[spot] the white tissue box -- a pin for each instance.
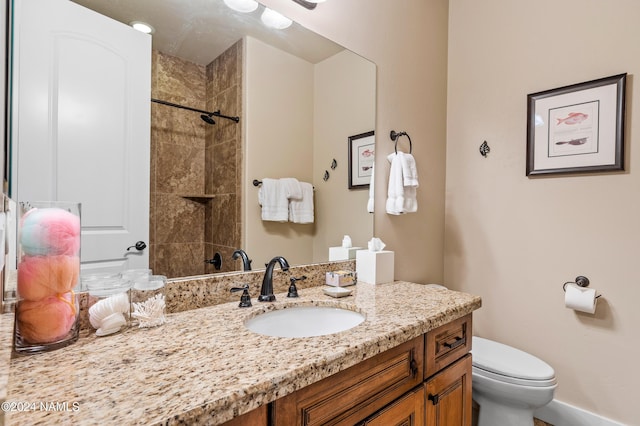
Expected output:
(375, 267)
(341, 253)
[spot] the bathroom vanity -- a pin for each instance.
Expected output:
(392, 387)
(408, 360)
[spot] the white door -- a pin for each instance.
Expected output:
(81, 124)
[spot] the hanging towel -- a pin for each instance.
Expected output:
(291, 188)
(301, 211)
(410, 182)
(273, 198)
(370, 203)
(395, 191)
(400, 198)
(409, 170)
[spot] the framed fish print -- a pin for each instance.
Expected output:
(361, 158)
(577, 128)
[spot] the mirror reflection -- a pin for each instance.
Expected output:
(298, 96)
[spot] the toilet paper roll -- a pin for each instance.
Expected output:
(580, 298)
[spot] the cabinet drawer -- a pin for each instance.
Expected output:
(446, 344)
(351, 395)
(406, 411)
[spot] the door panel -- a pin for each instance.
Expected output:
(81, 128)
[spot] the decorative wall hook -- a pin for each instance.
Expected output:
(326, 175)
(334, 164)
(484, 149)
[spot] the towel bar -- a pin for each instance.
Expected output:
(257, 182)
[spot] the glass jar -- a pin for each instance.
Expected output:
(148, 301)
(109, 304)
(46, 315)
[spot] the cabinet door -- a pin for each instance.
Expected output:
(352, 395)
(406, 411)
(448, 395)
(257, 417)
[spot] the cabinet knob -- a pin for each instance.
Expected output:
(434, 398)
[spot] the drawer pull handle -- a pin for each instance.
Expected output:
(459, 342)
(414, 367)
(434, 398)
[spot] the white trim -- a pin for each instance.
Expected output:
(562, 414)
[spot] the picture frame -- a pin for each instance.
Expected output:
(577, 128)
(361, 159)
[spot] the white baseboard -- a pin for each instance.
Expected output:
(561, 414)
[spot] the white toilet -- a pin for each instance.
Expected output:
(509, 384)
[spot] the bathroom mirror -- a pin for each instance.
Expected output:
(197, 32)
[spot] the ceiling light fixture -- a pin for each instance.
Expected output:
(309, 4)
(273, 19)
(142, 27)
(244, 6)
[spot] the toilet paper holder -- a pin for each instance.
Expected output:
(580, 281)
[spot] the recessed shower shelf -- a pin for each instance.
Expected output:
(201, 198)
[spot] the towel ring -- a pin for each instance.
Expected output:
(395, 136)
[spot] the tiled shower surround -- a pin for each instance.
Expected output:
(195, 167)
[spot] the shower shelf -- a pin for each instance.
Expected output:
(201, 198)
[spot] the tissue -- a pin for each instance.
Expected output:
(346, 242)
(580, 298)
(376, 244)
(375, 266)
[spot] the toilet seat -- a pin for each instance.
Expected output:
(507, 364)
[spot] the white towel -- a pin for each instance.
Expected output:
(291, 188)
(274, 200)
(370, 203)
(409, 170)
(400, 198)
(395, 191)
(301, 211)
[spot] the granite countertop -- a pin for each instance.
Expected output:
(205, 367)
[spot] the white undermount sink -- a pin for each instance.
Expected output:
(304, 321)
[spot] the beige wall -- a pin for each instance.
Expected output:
(272, 75)
(515, 240)
(510, 239)
(407, 40)
(344, 105)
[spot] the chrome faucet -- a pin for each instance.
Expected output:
(246, 262)
(266, 291)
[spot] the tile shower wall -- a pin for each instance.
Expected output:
(194, 205)
(223, 158)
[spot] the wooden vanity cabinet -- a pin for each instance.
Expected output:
(425, 381)
(350, 396)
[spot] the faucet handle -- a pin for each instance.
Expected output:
(293, 290)
(245, 298)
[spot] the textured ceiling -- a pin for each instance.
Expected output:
(200, 30)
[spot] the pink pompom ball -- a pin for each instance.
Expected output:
(43, 276)
(46, 320)
(50, 231)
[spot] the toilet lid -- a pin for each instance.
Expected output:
(504, 360)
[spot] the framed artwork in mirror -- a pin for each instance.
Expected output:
(361, 158)
(577, 128)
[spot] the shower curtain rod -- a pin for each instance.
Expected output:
(214, 113)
